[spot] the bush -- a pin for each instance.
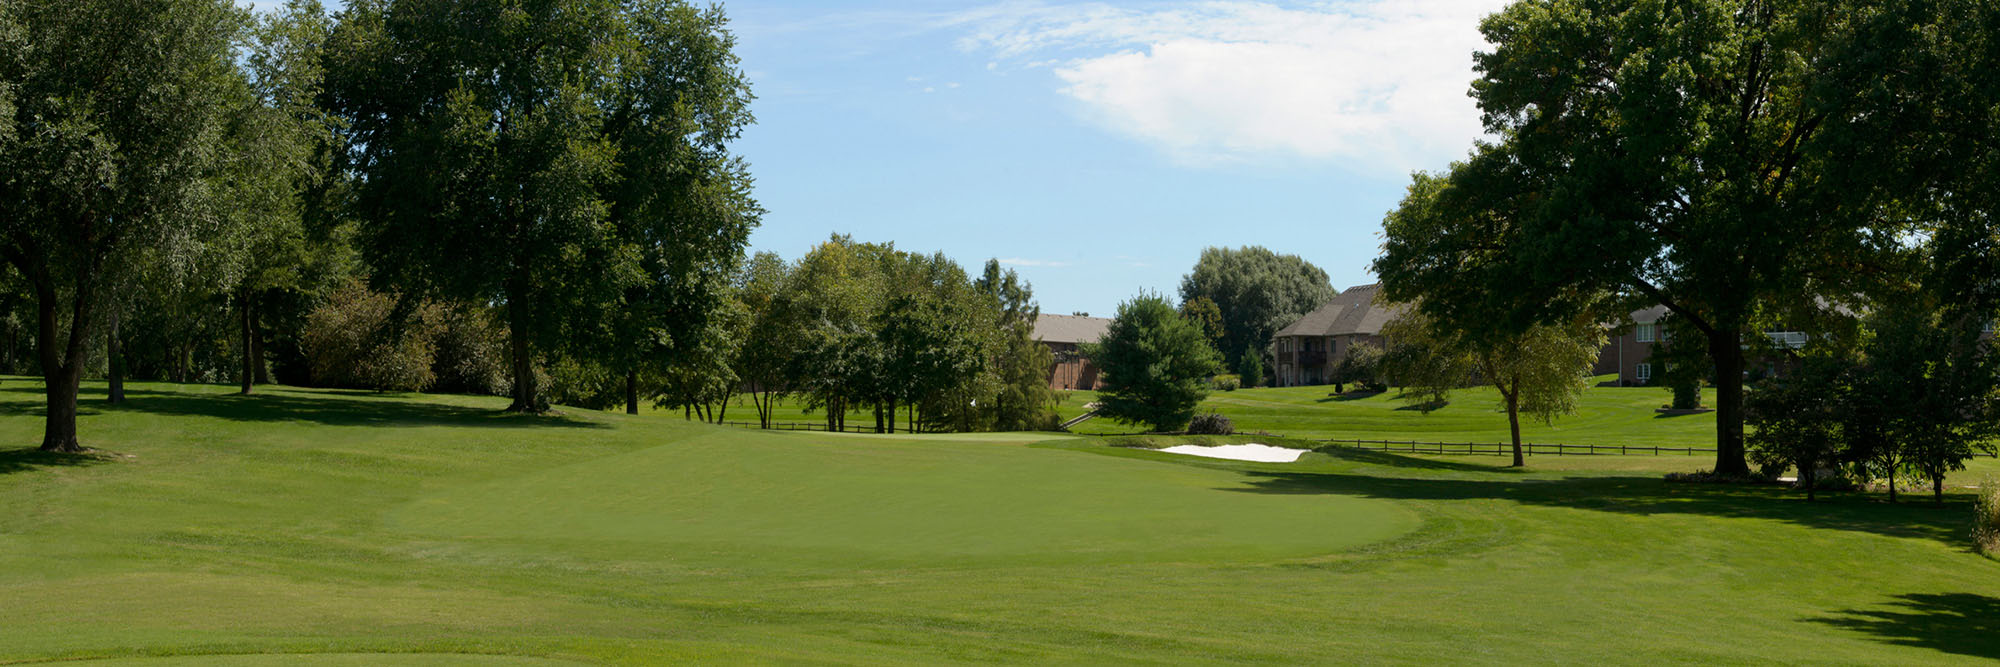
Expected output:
(1225, 383)
(354, 340)
(1687, 396)
(1986, 523)
(1211, 424)
(1251, 369)
(471, 352)
(1708, 477)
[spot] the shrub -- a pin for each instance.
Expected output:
(1251, 369)
(1687, 396)
(1986, 519)
(1211, 424)
(355, 340)
(471, 352)
(1708, 477)
(1225, 383)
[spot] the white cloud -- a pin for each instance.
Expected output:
(1379, 82)
(1017, 261)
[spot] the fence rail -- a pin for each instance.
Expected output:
(1506, 449)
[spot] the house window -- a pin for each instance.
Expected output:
(1646, 332)
(1644, 372)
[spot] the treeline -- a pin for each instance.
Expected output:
(864, 325)
(534, 199)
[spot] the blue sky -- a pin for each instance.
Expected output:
(1096, 148)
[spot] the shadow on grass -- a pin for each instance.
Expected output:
(1625, 495)
(1399, 461)
(1349, 396)
(331, 407)
(26, 459)
(1961, 623)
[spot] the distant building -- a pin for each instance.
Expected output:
(1307, 350)
(1065, 335)
(1629, 353)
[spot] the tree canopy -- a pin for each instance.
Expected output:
(1255, 293)
(1155, 365)
(1722, 158)
(116, 129)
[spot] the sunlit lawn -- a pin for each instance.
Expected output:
(319, 527)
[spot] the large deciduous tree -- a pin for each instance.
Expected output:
(1715, 157)
(1256, 292)
(116, 126)
(560, 157)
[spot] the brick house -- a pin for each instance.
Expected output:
(1065, 336)
(1629, 352)
(1306, 351)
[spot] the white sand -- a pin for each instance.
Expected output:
(1245, 452)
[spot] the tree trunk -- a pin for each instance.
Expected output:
(62, 360)
(721, 412)
(1892, 478)
(261, 372)
(878, 418)
(631, 392)
(248, 358)
(1725, 347)
(525, 397)
(114, 353)
(1937, 488)
(892, 415)
(1514, 423)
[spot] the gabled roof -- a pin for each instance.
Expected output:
(1354, 312)
(1070, 328)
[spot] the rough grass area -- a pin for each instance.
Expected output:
(341, 528)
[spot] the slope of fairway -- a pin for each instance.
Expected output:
(1604, 416)
(778, 498)
(326, 527)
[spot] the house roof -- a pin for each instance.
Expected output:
(1354, 312)
(1070, 328)
(1649, 315)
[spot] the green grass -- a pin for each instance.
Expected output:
(1605, 416)
(340, 528)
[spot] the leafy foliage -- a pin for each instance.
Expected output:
(1361, 365)
(355, 340)
(1986, 518)
(1256, 292)
(1154, 365)
(1703, 156)
(117, 113)
(1211, 424)
(1251, 368)
(1424, 361)
(1797, 419)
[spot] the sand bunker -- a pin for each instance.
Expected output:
(1245, 452)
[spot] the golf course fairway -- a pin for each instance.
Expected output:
(317, 527)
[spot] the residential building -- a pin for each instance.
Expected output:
(1065, 336)
(1629, 352)
(1306, 351)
